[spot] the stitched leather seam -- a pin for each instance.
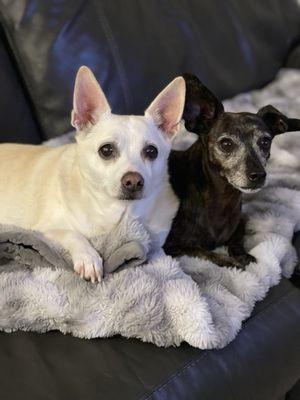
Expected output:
(116, 56)
(173, 376)
(195, 362)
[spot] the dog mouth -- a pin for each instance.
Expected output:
(252, 188)
(249, 189)
(130, 196)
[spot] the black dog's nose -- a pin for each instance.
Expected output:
(257, 177)
(132, 182)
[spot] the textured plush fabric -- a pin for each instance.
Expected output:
(32, 249)
(283, 93)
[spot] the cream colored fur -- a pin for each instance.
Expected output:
(70, 194)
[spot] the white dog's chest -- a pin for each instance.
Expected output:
(156, 212)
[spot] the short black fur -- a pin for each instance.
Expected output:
(209, 182)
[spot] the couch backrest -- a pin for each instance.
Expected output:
(17, 120)
(136, 47)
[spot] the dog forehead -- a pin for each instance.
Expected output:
(135, 127)
(243, 125)
(129, 122)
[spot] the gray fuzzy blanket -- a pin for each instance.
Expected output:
(165, 301)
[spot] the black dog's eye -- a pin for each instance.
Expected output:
(150, 152)
(265, 143)
(108, 151)
(226, 145)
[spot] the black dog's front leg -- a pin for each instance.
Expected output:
(236, 247)
(222, 260)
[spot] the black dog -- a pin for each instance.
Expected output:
(228, 158)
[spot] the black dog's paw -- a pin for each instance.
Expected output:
(244, 259)
(223, 260)
(239, 261)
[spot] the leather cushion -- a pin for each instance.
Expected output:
(17, 123)
(293, 60)
(135, 48)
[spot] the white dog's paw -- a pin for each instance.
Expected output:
(89, 265)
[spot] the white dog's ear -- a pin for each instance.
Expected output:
(89, 102)
(167, 108)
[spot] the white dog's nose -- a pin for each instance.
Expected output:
(132, 182)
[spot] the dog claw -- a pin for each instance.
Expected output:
(98, 276)
(89, 265)
(81, 271)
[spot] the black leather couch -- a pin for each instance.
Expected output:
(135, 48)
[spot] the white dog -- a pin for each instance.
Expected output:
(117, 167)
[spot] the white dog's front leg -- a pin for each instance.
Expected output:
(86, 260)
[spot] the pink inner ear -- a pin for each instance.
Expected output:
(167, 119)
(87, 108)
(89, 100)
(166, 110)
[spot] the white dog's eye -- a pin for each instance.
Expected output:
(108, 151)
(150, 152)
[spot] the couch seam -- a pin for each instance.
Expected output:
(21, 70)
(116, 57)
(175, 375)
(195, 362)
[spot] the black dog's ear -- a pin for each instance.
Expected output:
(201, 106)
(278, 122)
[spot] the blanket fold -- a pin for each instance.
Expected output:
(31, 249)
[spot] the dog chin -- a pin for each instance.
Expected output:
(248, 190)
(130, 197)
